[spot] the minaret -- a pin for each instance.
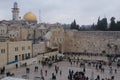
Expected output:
(15, 12)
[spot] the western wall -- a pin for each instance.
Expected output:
(92, 41)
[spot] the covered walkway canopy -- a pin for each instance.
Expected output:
(13, 78)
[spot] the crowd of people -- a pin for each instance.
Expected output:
(76, 75)
(72, 75)
(99, 66)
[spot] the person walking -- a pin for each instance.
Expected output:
(42, 77)
(16, 66)
(27, 70)
(45, 72)
(39, 61)
(53, 76)
(41, 72)
(84, 70)
(36, 69)
(111, 70)
(60, 72)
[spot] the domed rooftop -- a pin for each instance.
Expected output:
(30, 17)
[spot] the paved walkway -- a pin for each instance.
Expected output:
(64, 66)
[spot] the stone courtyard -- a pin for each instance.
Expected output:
(64, 66)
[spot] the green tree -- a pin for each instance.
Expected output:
(102, 24)
(112, 24)
(93, 27)
(118, 26)
(74, 25)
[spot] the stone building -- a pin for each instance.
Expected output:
(3, 54)
(3, 30)
(55, 38)
(19, 50)
(40, 32)
(39, 49)
(13, 52)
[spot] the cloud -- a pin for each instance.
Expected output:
(64, 11)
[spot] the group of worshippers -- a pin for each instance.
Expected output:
(76, 75)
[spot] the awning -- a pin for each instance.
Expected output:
(12, 78)
(60, 55)
(45, 56)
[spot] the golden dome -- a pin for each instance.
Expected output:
(30, 17)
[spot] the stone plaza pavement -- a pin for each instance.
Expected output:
(64, 66)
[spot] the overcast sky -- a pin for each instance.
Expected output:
(63, 11)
